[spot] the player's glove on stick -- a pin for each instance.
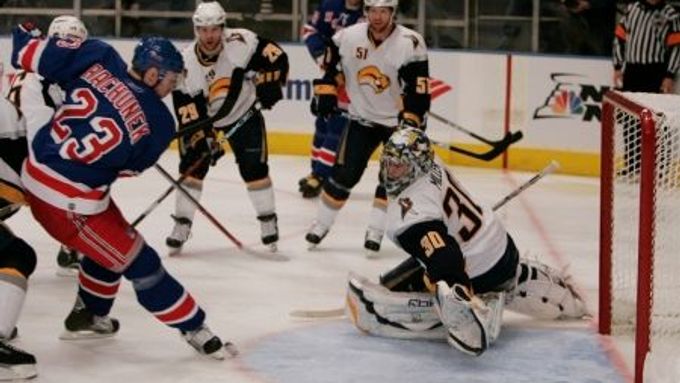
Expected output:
(325, 97)
(203, 141)
(268, 88)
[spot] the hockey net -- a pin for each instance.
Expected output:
(640, 223)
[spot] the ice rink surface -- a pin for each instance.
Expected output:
(248, 298)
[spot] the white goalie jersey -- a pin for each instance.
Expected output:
(213, 80)
(438, 196)
(372, 74)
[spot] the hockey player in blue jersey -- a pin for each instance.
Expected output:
(112, 123)
(37, 100)
(329, 17)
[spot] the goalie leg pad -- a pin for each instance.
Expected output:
(545, 293)
(465, 316)
(377, 311)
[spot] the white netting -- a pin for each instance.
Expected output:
(665, 317)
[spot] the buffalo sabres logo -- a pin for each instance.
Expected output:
(219, 88)
(235, 37)
(372, 77)
(406, 205)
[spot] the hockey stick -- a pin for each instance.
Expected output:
(410, 264)
(198, 205)
(497, 147)
(552, 166)
(214, 221)
(169, 190)
(471, 133)
(495, 151)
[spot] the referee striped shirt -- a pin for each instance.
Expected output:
(648, 34)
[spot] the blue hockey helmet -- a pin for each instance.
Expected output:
(157, 52)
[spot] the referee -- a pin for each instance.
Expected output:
(646, 59)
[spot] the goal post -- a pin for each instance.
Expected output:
(639, 291)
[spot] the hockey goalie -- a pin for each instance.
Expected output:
(463, 269)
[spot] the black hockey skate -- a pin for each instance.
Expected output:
(68, 261)
(180, 234)
(269, 230)
(315, 234)
(209, 344)
(82, 324)
(16, 364)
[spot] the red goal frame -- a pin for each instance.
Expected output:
(612, 100)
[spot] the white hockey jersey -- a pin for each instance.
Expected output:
(37, 99)
(213, 80)
(12, 127)
(439, 196)
(372, 73)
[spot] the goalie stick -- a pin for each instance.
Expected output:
(410, 264)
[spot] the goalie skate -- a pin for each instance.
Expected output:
(16, 364)
(82, 324)
(207, 343)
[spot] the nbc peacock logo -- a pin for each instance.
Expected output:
(573, 97)
(566, 102)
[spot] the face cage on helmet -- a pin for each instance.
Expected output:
(394, 186)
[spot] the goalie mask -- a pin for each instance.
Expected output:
(406, 156)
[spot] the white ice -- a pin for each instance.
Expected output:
(248, 298)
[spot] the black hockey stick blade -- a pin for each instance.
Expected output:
(497, 149)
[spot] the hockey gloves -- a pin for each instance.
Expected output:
(325, 100)
(268, 88)
(202, 141)
(31, 28)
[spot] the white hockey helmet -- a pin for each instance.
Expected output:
(67, 26)
(381, 3)
(208, 14)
